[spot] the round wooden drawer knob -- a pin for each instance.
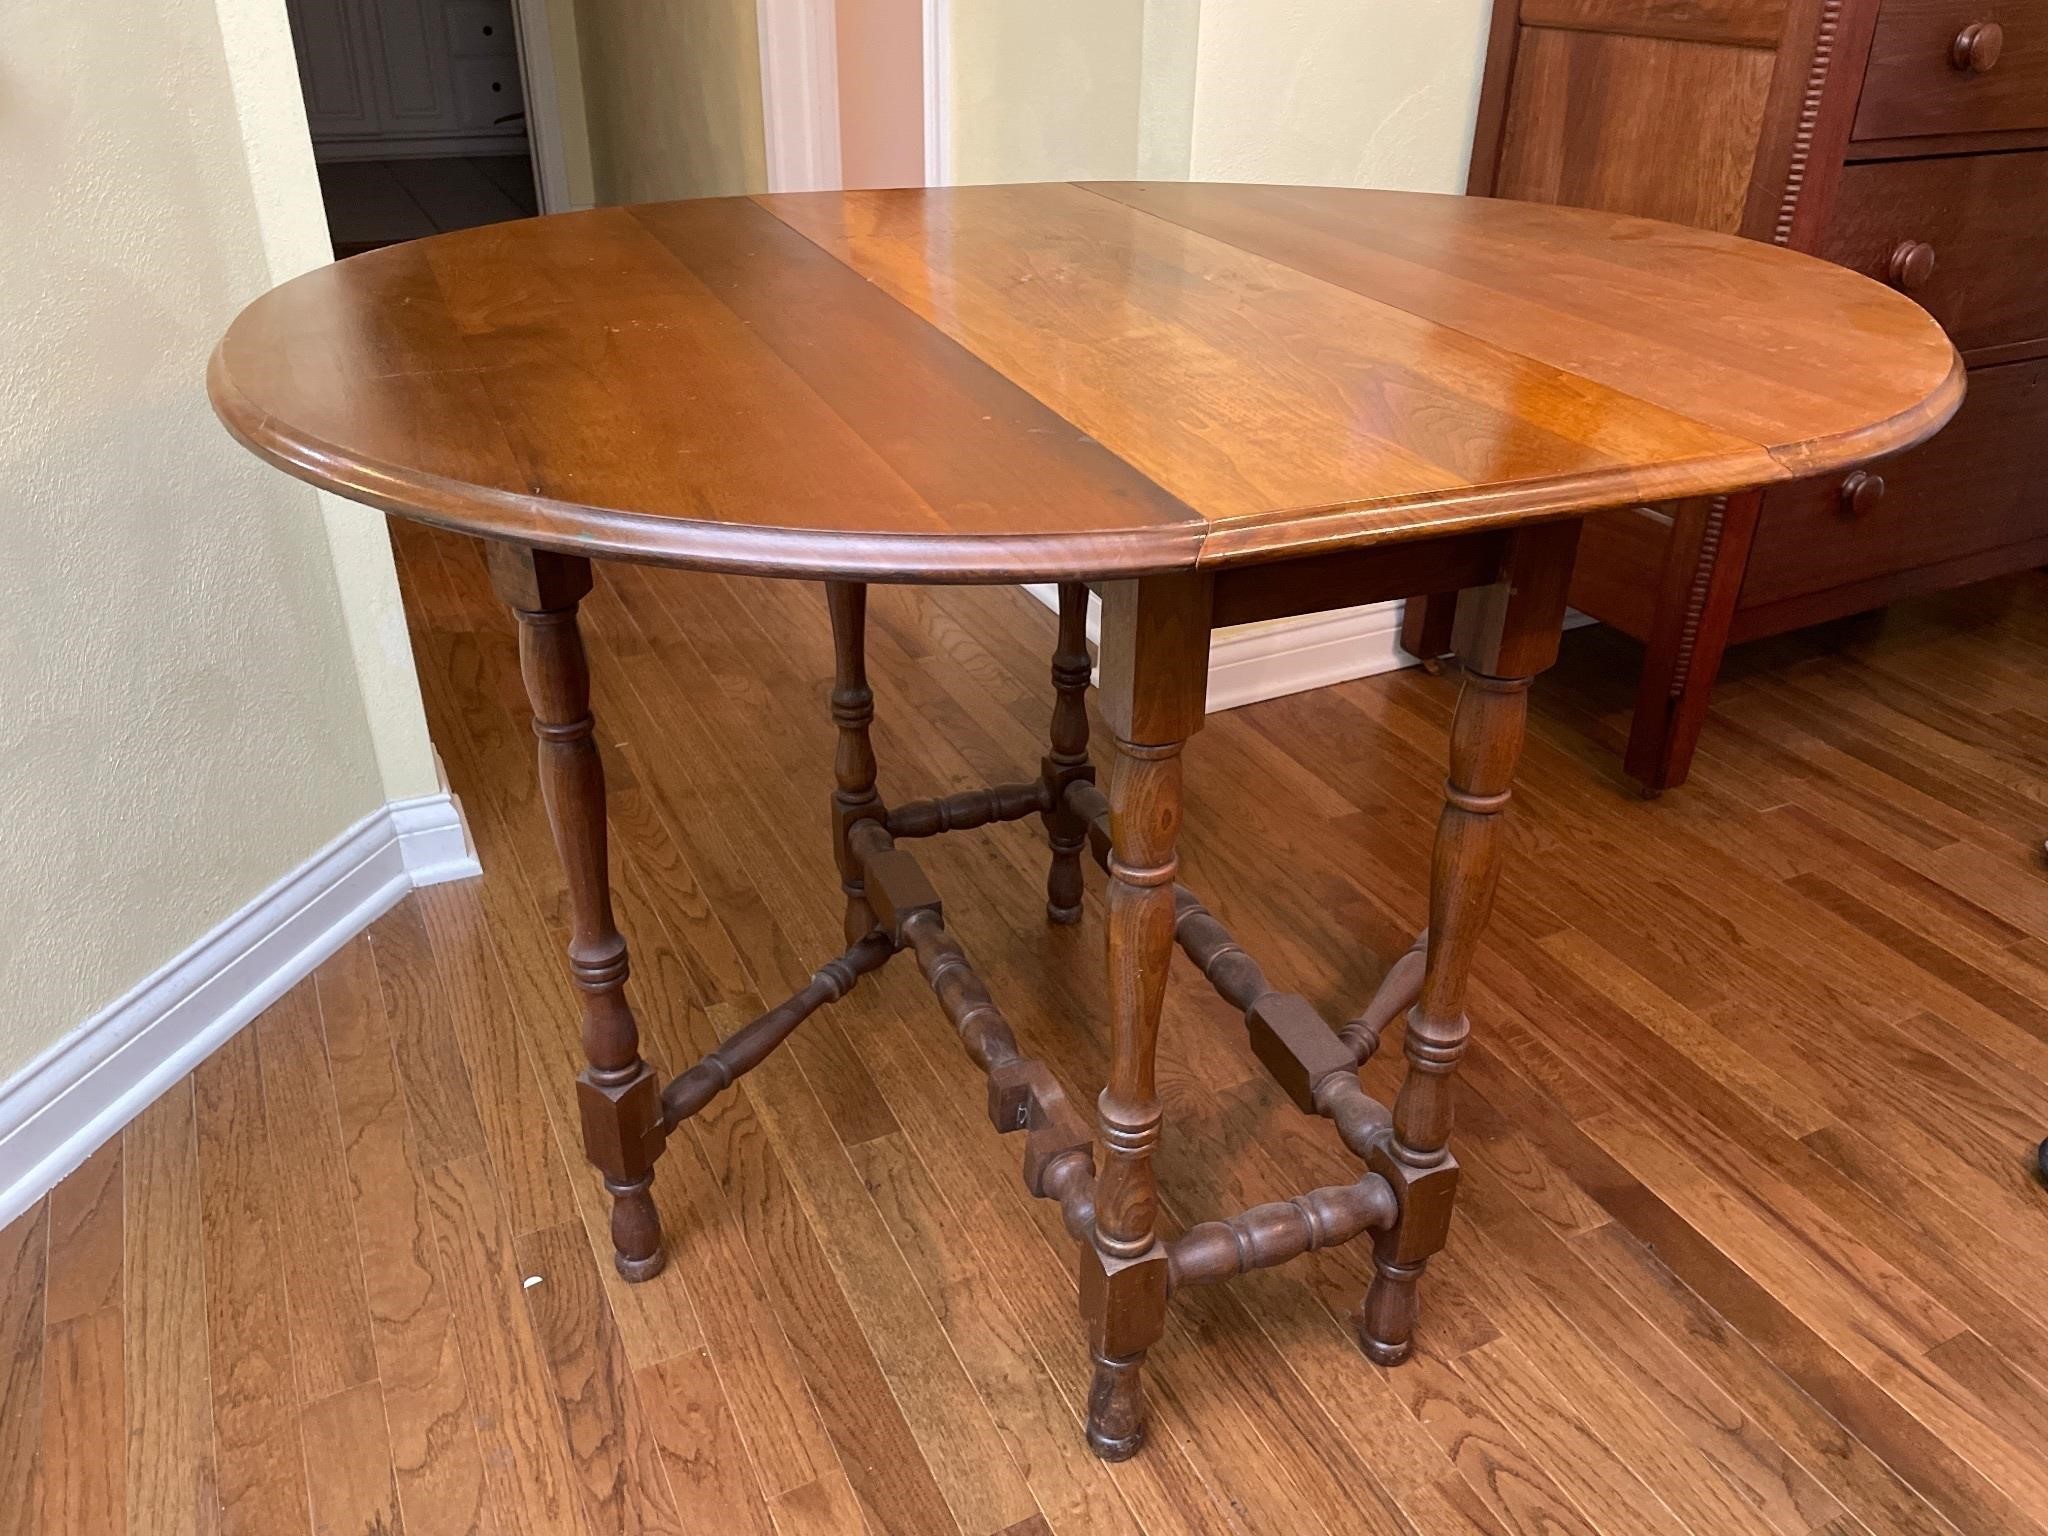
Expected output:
(1861, 492)
(1977, 47)
(1911, 265)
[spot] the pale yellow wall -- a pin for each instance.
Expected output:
(185, 721)
(672, 95)
(292, 228)
(1377, 93)
(1044, 90)
(1335, 92)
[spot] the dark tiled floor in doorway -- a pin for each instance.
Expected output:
(381, 202)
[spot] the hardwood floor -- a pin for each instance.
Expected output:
(1748, 1241)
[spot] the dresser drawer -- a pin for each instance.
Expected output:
(1955, 66)
(1982, 482)
(1965, 235)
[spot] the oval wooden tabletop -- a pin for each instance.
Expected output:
(997, 383)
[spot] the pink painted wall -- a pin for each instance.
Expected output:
(881, 92)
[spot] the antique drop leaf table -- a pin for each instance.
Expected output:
(1213, 404)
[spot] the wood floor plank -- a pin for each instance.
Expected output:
(1070, 1486)
(507, 1093)
(777, 1417)
(350, 1481)
(877, 1450)
(614, 1456)
(1491, 1460)
(87, 1239)
(1725, 1474)
(431, 1069)
(944, 1412)
(166, 1354)
(82, 1482)
(530, 1487)
(1762, 1354)
(24, 1248)
(826, 1506)
(82, 1486)
(717, 1489)
(262, 1471)
(430, 1420)
(323, 1274)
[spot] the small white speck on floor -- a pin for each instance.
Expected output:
(530, 1282)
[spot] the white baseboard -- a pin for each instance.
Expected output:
(56, 1111)
(1250, 663)
(1253, 662)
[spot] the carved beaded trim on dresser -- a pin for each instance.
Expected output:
(1696, 599)
(1809, 117)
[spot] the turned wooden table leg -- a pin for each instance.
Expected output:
(618, 1093)
(1154, 673)
(853, 765)
(1505, 635)
(1067, 761)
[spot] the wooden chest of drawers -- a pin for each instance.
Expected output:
(1905, 138)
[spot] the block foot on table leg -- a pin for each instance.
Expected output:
(1123, 1301)
(623, 1135)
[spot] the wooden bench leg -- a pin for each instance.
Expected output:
(854, 798)
(1154, 673)
(1505, 635)
(618, 1093)
(1067, 760)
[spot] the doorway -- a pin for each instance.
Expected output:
(420, 114)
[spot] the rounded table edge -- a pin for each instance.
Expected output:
(822, 554)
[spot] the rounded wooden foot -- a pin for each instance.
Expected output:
(636, 1270)
(636, 1228)
(1387, 1315)
(1116, 1409)
(1385, 1352)
(1063, 882)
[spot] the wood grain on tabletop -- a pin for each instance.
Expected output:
(996, 382)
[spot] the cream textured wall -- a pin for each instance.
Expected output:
(672, 96)
(1044, 90)
(1378, 93)
(184, 718)
(1333, 92)
(284, 189)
